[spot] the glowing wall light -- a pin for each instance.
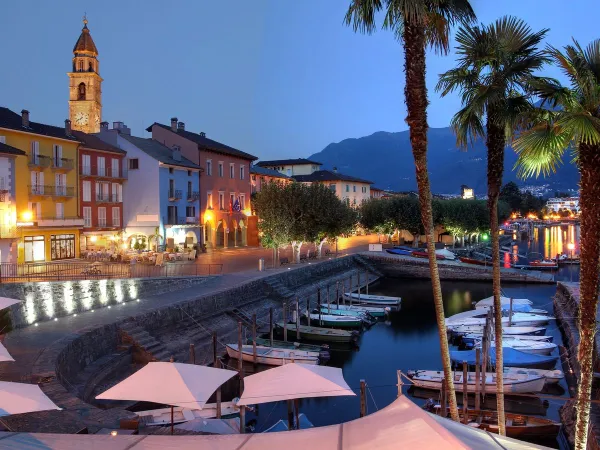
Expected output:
(69, 304)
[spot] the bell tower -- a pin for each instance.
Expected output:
(85, 85)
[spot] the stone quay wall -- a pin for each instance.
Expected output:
(398, 266)
(44, 301)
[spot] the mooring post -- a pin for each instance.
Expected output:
(285, 319)
(308, 310)
(444, 398)
(192, 354)
(217, 365)
(484, 360)
(271, 326)
(477, 377)
(350, 291)
(290, 408)
(363, 398)
(297, 408)
(465, 394)
(328, 300)
(172, 421)
(242, 419)
(297, 319)
(358, 284)
(254, 354)
(319, 305)
(240, 358)
(510, 310)
(337, 293)
(367, 286)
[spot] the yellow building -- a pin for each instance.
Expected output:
(46, 188)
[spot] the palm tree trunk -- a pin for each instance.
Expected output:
(415, 93)
(495, 154)
(589, 165)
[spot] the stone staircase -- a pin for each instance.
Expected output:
(139, 338)
(367, 265)
(279, 289)
(97, 372)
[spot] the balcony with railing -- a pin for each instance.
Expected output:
(40, 161)
(54, 221)
(192, 196)
(107, 198)
(172, 220)
(92, 171)
(62, 164)
(63, 191)
(175, 194)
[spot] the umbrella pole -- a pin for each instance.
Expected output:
(172, 421)
(271, 326)
(242, 419)
(290, 408)
(297, 408)
(285, 319)
(337, 293)
(298, 319)
(217, 365)
(319, 306)
(254, 354)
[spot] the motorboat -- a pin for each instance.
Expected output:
(373, 300)
(447, 254)
(524, 345)
(272, 356)
(162, 416)
(551, 376)
(473, 338)
(370, 310)
(517, 308)
(332, 320)
(477, 262)
(513, 384)
(511, 358)
(506, 331)
(478, 317)
(504, 301)
(517, 425)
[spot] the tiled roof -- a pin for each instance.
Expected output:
(326, 175)
(286, 162)
(208, 144)
(85, 43)
(158, 151)
(13, 121)
(267, 172)
(95, 143)
(10, 150)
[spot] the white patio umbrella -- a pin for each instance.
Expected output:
(5, 302)
(293, 381)
(19, 398)
(175, 384)
(4, 355)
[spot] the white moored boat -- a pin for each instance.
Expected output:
(372, 310)
(479, 336)
(506, 309)
(477, 317)
(505, 301)
(273, 356)
(162, 416)
(523, 345)
(375, 300)
(517, 383)
(507, 331)
(551, 376)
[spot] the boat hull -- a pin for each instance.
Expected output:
(517, 426)
(532, 385)
(371, 310)
(162, 416)
(508, 331)
(321, 334)
(374, 300)
(336, 321)
(278, 357)
(511, 358)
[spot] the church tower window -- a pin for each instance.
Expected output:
(81, 91)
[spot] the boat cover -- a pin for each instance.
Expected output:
(512, 358)
(399, 251)
(402, 424)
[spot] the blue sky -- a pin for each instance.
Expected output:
(276, 78)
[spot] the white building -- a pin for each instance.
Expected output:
(8, 214)
(291, 167)
(570, 203)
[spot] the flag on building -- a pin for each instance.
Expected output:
(236, 205)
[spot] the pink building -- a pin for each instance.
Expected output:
(260, 176)
(224, 184)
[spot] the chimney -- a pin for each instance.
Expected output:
(174, 124)
(335, 170)
(203, 134)
(68, 127)
(25, 118)
(180, 126)
(176, 153)
(103, 126)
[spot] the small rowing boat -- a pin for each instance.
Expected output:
(510, 356)
(398, 251)
(524, 345)
(343, 312)
(370, 310)
(272, 356)
(551, 376)
(332, 320)
(419, 254)
(321, 334)
(162, 416)
(477, 262)
(374, 300)
(471, 338)
(507, 331)
(513, 383)
(517, 425)
(323, 350)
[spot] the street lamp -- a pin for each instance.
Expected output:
(571, 247)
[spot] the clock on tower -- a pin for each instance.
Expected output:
(85, 85)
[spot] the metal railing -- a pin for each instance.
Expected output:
(175, 194)
(40, 161)
(103, 172)
(62, 163)
(82, 270)
(170, 220)
(107, 198)
(54, 191)
(192, 196)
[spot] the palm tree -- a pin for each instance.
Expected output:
(569, 119)
(418, 24)
(495, 66)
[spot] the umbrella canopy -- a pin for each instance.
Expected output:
(4, 355)
(5, 302)
(19, 398)
(293, 381)
(186, 385)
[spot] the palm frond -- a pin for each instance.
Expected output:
(540, 150)
(361, 15)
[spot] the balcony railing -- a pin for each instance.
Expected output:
(103, 172)
(40, 161)
(63, 191)
(101, 222)
(107, 198)
(193, 196)
(171, 220)
(56, 221)
(62, 164)
(175, 194)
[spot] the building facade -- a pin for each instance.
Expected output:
(564, 203)
(161, 196)
(291, 167)
(102, 172)
(376, 192)
(46, 188)
(85, 85)
(261, 176)
(8, 209)
(225, 184)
